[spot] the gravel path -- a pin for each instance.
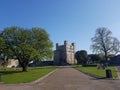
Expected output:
(66, 78)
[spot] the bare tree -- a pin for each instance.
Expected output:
(104, 43)
(116, 46)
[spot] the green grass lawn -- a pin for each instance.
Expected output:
(11, 76)
(97, 72)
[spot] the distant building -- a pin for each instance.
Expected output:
(65, 54)
(11, 63)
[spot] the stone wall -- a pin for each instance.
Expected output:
(11, 63)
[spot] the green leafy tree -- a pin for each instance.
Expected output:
(42, 42)
(2, 48)
(81, 57)
(27, 44)
(104, 43)
(4, 52)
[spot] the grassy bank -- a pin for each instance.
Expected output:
(96, 72)
(11, 76)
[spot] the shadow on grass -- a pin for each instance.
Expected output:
(5, 72)
(42, 67)
(9, 72)
(103, 78)
(97, 78)
(93, 77)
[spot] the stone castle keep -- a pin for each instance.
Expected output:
(65, 54)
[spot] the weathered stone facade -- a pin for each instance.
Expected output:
(11, 63)
(64, 54)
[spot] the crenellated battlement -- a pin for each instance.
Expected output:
(64, 54)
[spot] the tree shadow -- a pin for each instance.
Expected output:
(9, 72)
(102, 78)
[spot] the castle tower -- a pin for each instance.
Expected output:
(57, 45)
(64, 54)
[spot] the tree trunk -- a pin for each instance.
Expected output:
(24, 68)
(106, 56)
(24, 64)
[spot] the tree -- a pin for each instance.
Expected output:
(27, 44)
(2, 48)
(104, 43)
(94, 58)
(81, 57)
(3, 52)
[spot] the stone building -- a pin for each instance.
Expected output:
(64, 54)
(11, 63)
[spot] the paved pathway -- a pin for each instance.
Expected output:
(66, 79)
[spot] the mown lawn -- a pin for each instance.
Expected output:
(11, 76)
(97, 72)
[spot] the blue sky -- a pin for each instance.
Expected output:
(71, 20)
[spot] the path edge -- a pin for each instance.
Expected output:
(43, 77)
